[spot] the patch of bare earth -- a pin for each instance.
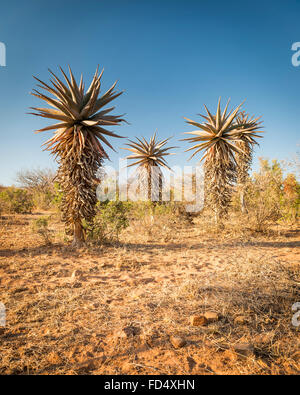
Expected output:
(119, 309)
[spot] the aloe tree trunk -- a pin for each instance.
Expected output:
(242, 201)
(78, 235)
(149, 183)
(160, 187)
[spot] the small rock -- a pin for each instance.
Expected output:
(245, 349)
(120, 334)
(131, 331)
(230, 355)
(198, 320)
(264, 338)
(76, 274)
(19, 290)
(54, 358)
(211, 316)
(191, 363)
(87, 366)
(177, 341)
(240, 320)
(77, 284)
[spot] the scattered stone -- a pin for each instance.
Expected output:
(151, 305)
(245, 349)
(77, 284)
(198, 320)
(177, 341)
(240, 320)
(86, 366)
(131, 331)
(54, 358)
(76, 274)
(264, 338)
(151, 339)
(19, 290)
(211, 316)
(212, 328)
(191, 362)
(120, 334)
(230, 355)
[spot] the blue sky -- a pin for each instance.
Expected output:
(170, 56)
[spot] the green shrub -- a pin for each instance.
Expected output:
(263, 195)
(39, 183)
(15, 200)
(57, 195)
(290, 201)
(110, 220)
(40, 226)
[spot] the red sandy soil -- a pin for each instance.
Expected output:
(114, 309)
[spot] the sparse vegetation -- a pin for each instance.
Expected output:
(108, 223)
(15, 200)
(40, 226)
(39, 183)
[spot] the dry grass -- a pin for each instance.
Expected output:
(112, 309)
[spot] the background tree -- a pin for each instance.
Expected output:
(36, 179)
(291, 197)
(40, 185)
(77, 142)
(246, 145)
(149, 156)
(218, 137)
(264, 195)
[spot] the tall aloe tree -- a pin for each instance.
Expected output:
(246, 144)
(217, 137)
(149, 156)
(77, 142)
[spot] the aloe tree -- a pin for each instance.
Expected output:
(77, 142)
(246, 144)
(217, 137)
(149, 156)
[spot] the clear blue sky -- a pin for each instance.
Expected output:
(169, 56)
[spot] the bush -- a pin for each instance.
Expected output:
(15, 200)
(290, 202)
(110, 220)
(40, 226)
(154, 221)
(39, 183)
(57, 195)
(264, 195)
